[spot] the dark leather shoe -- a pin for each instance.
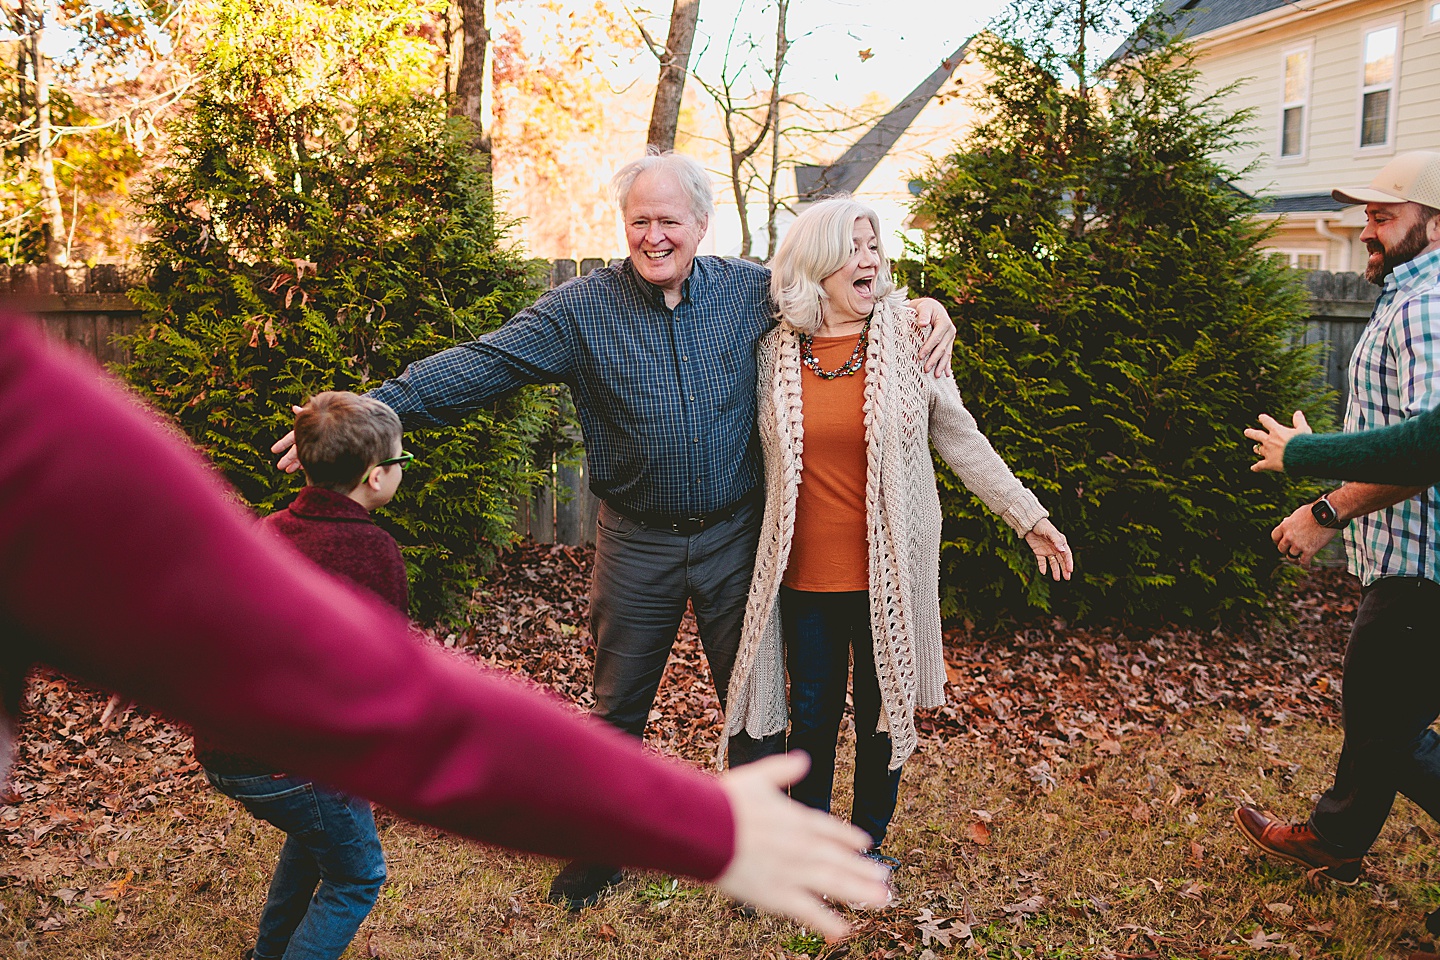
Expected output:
(1298, 844)
(579, 885)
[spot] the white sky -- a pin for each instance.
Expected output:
(908, 39)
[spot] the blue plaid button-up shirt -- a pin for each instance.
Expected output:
(1395, 374)
(666, 399)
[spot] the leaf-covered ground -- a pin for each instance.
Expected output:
(1072, 800)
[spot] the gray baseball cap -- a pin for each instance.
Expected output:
(1410, 177)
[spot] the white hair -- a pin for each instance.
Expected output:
(816, 244)
(693, 178)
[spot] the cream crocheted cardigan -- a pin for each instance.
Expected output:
(906, 411)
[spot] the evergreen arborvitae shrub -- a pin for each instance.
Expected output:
(296, 250)
(1119, 327)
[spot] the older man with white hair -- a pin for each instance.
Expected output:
(1392, 662)
(659, 355)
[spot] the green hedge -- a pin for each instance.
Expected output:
(295, 250)
(1118, 328)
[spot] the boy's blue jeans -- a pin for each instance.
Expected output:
(330, 870)
(820, 631)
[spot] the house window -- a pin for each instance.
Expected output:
(1377, 85)
(1300, 259)
(1432, 18)
(1295, 101)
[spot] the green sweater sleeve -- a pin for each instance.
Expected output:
(1406, 453)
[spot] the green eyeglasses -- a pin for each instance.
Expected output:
(404, 460)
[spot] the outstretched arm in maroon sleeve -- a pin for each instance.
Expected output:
(122, 563)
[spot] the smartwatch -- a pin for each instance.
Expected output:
(1325, 514)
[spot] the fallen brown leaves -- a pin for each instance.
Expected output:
(1055, 702)
(534, 621)
(1037, 692)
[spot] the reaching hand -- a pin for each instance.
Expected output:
(939, 345)
(290, 462)
(1270, 442)
(787, 857)
(1051, 550)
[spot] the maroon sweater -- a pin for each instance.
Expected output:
(338, 536)
(121, 563)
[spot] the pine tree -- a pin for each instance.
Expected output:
(320, 231)
(1119, 326)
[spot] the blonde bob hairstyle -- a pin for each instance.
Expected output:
(817, 243)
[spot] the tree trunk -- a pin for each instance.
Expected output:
(782, 49)
(665, 114)
(1078, 201)
(468, 100)
(22, 72)
(54, 213)
(742, 200)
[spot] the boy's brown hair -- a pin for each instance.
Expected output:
(340, 436)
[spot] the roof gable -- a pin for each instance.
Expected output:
(1194, 18)
(813, 181)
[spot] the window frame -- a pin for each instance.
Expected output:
(1306, 47)
(1292, 256)
(1431, 13)
(1397, 23)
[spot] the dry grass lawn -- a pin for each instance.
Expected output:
(1130, 855)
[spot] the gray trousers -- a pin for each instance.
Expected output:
(642, 580)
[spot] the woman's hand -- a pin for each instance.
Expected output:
(1051, 550)
(1270, 442)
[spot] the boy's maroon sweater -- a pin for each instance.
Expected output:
(122, 564)
(337, 535)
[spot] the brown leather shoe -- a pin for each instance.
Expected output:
(1298, 844)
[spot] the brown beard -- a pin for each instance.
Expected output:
(1406, 250)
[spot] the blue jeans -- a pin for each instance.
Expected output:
(330, 868)
(821, 629)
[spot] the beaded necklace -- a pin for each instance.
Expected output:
(848, 368)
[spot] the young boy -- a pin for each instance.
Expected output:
(331, 867)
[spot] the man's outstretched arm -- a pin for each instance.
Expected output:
(534, 346)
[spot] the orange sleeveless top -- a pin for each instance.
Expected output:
(830, 552)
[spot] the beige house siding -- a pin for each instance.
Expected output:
(1252, 52)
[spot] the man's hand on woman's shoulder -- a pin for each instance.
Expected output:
(939, 345)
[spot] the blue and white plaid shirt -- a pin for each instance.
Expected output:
(1395, 374)
(666, 399)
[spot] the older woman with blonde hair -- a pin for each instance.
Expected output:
(849, 555)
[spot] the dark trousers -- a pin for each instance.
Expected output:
(821, 630)
(643, 578)
(1390, 697)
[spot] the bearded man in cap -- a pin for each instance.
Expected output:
(1391, 691)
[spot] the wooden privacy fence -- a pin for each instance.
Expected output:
(88, 306)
